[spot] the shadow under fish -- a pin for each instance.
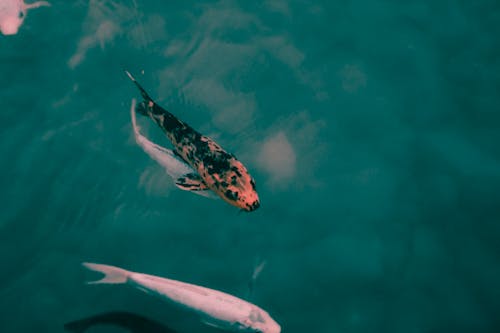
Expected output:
(132, 322)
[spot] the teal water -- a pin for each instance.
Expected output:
(371, 127)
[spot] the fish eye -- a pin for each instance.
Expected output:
(21, 15)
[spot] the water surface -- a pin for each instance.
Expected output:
(371, 128)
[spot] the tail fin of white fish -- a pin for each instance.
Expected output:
(111, 274)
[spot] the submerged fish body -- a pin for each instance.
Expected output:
(215, 307)
(13, 13)
(219, 170)
(132, 322)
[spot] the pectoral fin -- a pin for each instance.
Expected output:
(211, 323)
(191, 182)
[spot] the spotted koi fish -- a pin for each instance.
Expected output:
(216, 169)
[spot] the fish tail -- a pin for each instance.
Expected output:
(144, 94)
(143, 106)
(112, 275)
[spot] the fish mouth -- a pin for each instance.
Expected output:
(252, 207)
(8, 30)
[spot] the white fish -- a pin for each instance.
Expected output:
(175, 167)
(215, 307)
(13, 13)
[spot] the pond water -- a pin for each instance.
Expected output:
(371, 128)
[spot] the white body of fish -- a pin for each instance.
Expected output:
(215, 307)
(13, 13)
(175, 167)
(165, 157)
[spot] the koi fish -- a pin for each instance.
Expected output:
(216, 308)
(216, 169)
(13, 13)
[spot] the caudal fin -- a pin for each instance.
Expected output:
(111, 274)
(144, 94)
(142, 107)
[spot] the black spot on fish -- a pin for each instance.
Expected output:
(253, 206)
(235, 169)
(170, 123)
(202, 148)
(182, 133)
(216, 163)
(142, 108)
(176, 153)
(231, 195)
(233, 180)
(158, 110)
(186, 184)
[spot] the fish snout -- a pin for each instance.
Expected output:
(253, 206)
(10, 26)
(267, 327)
(273, 327)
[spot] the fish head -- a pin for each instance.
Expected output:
(238, 187)
(224, 174)
(260, 321)
(12, 14)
